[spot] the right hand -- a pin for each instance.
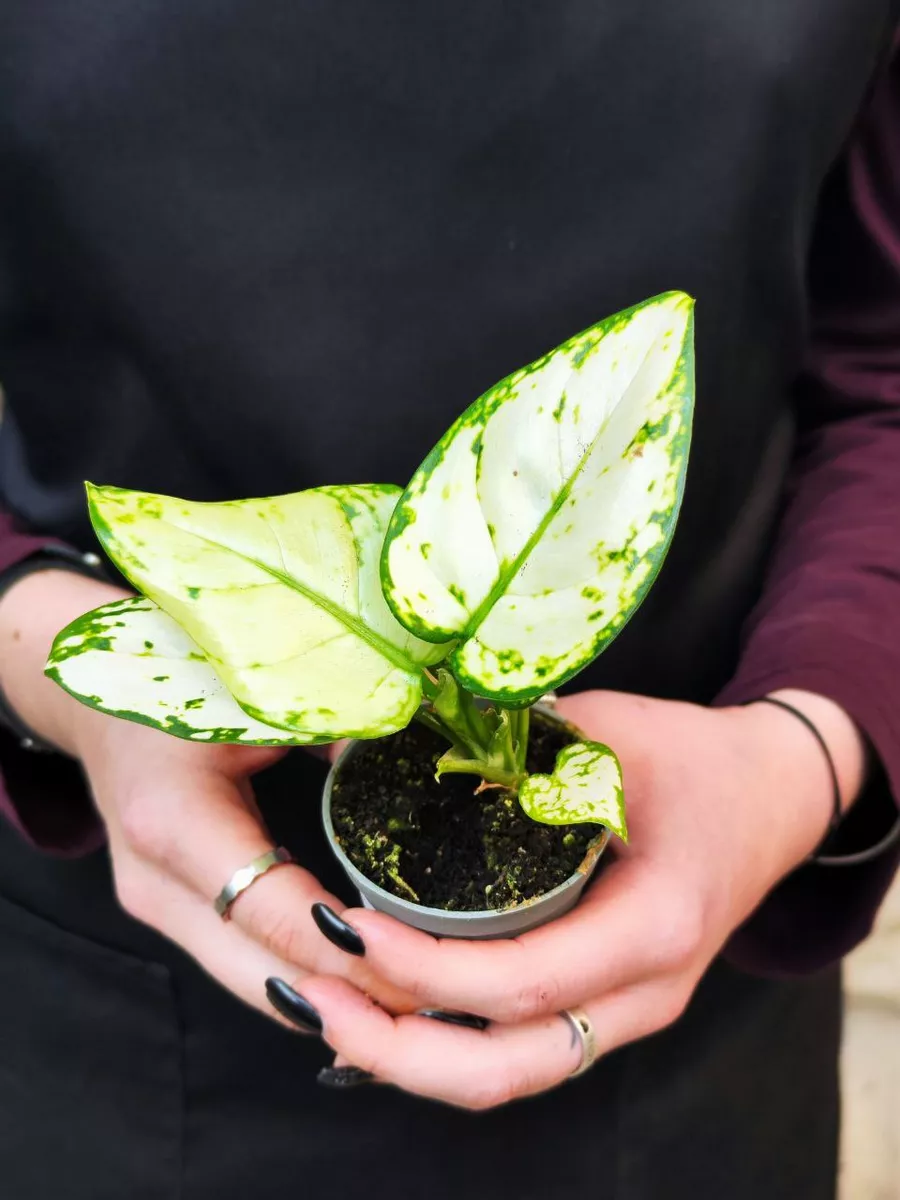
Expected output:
(180, 816)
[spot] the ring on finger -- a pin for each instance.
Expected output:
(583, 1031)
(246, 876)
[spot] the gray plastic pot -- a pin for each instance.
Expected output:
(484, 924)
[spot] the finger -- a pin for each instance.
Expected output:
(236, 961)
(469, 1068)
(200, 825)
(197, 827)
(477, 1069)
(631, 925)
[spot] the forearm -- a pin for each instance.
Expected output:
(32, 612)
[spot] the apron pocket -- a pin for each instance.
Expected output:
(91, 1093)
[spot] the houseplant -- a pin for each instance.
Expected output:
(522, 545)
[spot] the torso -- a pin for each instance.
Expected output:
(253, 248)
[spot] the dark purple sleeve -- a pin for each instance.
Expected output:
(828, 620)
(15, 545)
(42, 795)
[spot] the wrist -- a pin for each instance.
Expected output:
(846, 744)
(794, 767)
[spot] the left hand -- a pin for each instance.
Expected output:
(721, 805)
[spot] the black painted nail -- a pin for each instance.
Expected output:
(292, 1005)
(343, 1077)
(467, 1020)
(338, 932)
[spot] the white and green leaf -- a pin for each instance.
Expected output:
(129, 659)
(283, 598)
(536, 526)
(585, 787)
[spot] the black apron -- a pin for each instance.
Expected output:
(127, 1074)
(246, 249)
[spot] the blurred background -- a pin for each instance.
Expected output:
(870, 1150)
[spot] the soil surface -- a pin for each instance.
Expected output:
(439, 844)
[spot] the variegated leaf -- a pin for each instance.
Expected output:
(129, 659)
(586, 786)
(283, 597)
(533, 530)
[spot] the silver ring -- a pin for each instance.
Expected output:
(584, 1032)
(246, 876)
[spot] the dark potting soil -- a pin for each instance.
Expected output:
(439, 844)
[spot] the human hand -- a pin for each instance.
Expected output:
(180, 816)
(722, 804)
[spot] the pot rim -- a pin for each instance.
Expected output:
(582, 872)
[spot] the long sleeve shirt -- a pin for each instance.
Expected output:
(828, 619)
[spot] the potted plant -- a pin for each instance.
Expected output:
(431, 620)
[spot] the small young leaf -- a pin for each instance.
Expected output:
(586, 786)
(129, 659)
(283, 597)
(536, 526)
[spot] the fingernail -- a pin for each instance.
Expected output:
(338, 932)
(343, 1077)
(467, 1020)
(292, 1005)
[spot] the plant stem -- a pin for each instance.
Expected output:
(427, 718)
(488, 741)
(520, 736)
